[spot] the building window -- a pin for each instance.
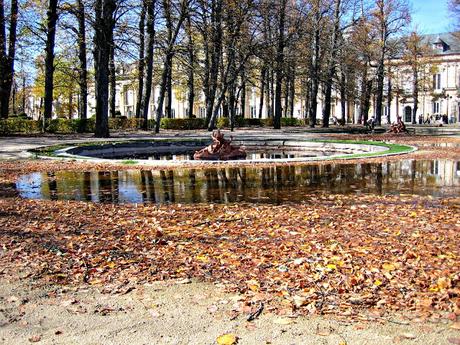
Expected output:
(202, 112)
(437, 81)
(253, 112)
(435, 107)
(435, 168)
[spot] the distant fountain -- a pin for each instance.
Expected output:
(220, 149)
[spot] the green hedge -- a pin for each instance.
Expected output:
(223, 122)
(67, 126)
(183, 123)
(18, 125)
(289, 121)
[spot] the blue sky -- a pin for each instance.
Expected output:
(431, 16)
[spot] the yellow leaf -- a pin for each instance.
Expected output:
(253, 285)
(388, 267)
(227, 339)
(331, 266)
(413, 214)
(443, 283)
(202, 258)
(378, 282)
(111, 264)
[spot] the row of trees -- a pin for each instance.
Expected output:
(218, 48)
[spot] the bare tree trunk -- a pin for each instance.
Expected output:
(315, 71)
(15, 91)
(380, 81)
(343, 97)
(49, 58)
(83, 71)
(169, 114)
(286, 95)
(112, 80)
(103, 32)
(141, 63)
(415, 92)
(366, 90)
(332, 64)
(279, 65)
(24, 93)
(150, 8)
(292, 92)
(191, 68)
(263, 72)
(216, 52)
(389, 100)
(7, 58)
(271, 96)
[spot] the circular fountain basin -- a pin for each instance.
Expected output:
(162, 152)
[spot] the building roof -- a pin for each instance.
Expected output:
(444, 43)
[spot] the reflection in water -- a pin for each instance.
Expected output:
(252, 154)
(438, 178)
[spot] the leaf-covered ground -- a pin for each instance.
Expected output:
(334, 254)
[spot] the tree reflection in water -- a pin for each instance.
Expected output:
(265, 184)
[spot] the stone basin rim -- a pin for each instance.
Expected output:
(354, 150)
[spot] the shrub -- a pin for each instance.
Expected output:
(267, 122)
(63, 126)
(289, 121)
(85, 126)
(223, 122)
(182, 124)
(18, 125)
(253, 122)
(123, 122)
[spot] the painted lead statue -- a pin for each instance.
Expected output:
(220, 149)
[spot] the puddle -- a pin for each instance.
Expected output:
(438, 178)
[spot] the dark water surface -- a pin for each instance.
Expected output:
(438, 178)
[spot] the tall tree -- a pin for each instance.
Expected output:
(147, 88)
(236, 37)
(319, 11)
(279, 63)
(51, 23)
(191, 66)
(141, 62)
(83, 73)
(212, 35)
(172, 28)
(103, 30)
(7, 56)
(389, 18)
(415, 56)
(332, 63)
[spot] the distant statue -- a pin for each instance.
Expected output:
(398, 127)
(220, 149)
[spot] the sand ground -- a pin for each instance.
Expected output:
(180, 313)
